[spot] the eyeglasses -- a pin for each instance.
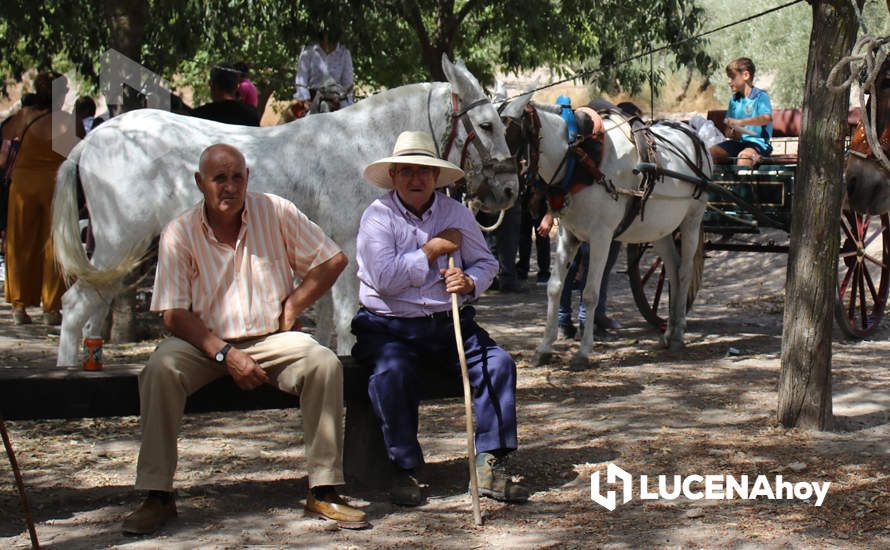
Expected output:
(410, 172)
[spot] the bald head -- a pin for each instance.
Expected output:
(222, 178)
(217, 152)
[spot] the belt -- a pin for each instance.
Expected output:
(442, 315)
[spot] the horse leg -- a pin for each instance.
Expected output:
(324, 319)
(85, 311)
(565, 252)
(690, 234)
(599, 251)
(666, 248)
(345, 298)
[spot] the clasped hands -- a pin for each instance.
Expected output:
(448, 242)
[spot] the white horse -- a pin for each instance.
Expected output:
(136, 171)
(593, 214)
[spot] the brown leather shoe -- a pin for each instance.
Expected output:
(333, 507)
(149, 517)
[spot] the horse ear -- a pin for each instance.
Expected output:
(448, 68)
(500, 92)
(465, 84)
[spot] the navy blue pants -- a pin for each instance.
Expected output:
(400, 349)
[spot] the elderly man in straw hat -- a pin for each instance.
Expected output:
(405, 325)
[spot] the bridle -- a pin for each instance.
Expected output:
(490, 168)
(528, 126)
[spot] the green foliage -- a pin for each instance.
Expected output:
(393, 41)
(778, 44)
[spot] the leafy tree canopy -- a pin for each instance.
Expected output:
(393, 41)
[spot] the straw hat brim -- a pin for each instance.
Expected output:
(378, 171)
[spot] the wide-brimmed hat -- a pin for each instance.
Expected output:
(412, 148)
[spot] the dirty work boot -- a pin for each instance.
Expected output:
(491, 473)
(159, 507)
(405, 490)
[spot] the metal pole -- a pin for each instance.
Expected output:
(468, 404)
(26, 508)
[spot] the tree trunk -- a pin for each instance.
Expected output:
(805, 381)
(126, 22)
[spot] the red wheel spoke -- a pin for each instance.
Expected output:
(863, 306)
(868, 240)
(871, 285)
(656, 264)
(875, 261)
(847, 278)
(851, 308)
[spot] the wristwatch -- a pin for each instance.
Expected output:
(221, 354)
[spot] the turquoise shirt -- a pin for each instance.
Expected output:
(757, 103)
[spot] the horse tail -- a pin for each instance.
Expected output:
(69, 252)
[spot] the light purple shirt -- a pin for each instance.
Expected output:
(395, 278)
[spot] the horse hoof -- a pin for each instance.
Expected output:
(579, 363)
(543, 358)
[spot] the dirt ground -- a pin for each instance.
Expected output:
(241, 477)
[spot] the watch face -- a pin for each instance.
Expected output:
(220, 357)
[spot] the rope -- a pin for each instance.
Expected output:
(866, 59)
(642, 54)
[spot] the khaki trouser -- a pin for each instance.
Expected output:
(295, 363)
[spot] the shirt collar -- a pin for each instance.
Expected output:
(411, 215)
(205, 225)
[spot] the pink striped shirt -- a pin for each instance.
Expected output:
(238, 292)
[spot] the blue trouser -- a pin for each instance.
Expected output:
(400, 349)
(507, 244)
(581, 261)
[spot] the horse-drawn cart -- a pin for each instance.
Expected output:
(761, 197)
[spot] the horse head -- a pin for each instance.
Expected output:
(867, 178)
(491, 182)
(522, 131)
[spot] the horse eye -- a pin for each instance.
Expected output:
(487, 126)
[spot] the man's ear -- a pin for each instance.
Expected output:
(198, 181)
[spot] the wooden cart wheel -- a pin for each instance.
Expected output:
(862, 272)
(648, 281)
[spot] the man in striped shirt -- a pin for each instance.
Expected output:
(225, 287)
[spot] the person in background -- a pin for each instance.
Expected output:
(749, 118)
(225, 105)
(32, 276)
(84, 115)
(247, 91)
(321, 61)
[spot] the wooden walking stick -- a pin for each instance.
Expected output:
(468, 403)
(20, 484)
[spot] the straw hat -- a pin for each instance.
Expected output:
(412, 148)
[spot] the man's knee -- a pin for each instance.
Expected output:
(500, 365)
(324, 363)
(161, 363)
(748, 157)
